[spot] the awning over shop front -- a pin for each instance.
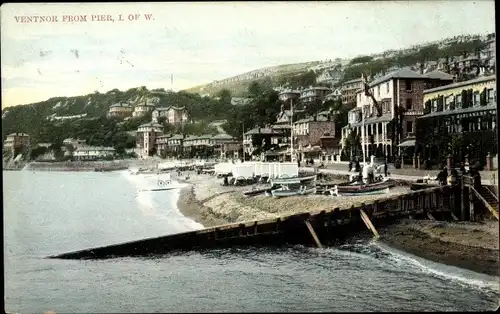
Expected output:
(407, 143)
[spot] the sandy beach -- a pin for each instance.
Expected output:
(471, 246)
(227, 204)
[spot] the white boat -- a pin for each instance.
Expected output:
(296, 180)
(284, 191)
(164, 185)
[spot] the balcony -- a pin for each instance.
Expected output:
(414, 113)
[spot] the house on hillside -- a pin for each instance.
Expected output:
(313, 94)
(226, 146)
(257, 137)
(349, 90)
(239, 101)
(120, 110)
(329, 76)
(17, 143)
(308, 132)
(93, 153)
(334, 95)
(142, 109)
(146, 139)
(172, 114)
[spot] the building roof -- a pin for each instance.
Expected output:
(316, 88)
(120, 105)
(492, 106)
(18, 134)
(98, 148)
(176, 137)
(151, 124)
(438, 75)
(319, 118)
(144, 105)
(204, 137)
(384, 118)
(403, 73)
(222, 136)
(352, 81)
(459, 84)
(289, 91)
(169, 107)
(266, 131)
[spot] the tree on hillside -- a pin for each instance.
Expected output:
(362, 59)
(312, 109)
(254, 89)
(224, 96)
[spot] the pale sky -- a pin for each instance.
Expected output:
(201, 42)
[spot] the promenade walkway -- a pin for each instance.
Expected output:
(410, 174)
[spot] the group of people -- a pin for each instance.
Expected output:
(450, 177)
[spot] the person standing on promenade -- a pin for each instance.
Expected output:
(385, 167)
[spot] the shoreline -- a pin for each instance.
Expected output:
(466, 245)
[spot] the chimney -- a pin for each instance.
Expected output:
(421, 68)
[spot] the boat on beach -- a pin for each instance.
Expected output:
(285, 191)
(295, 180)
(257, 191)
(357, 189)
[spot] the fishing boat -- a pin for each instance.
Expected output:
(295, 180)
(258, 191)
(285, 191)
(357, 189)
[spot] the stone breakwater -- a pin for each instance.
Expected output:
(472, 246)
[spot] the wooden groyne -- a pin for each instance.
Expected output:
(320, 229)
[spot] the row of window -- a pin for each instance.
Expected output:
(457, 99)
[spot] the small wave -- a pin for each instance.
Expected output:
(481, 281)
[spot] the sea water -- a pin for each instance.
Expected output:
(47, 213)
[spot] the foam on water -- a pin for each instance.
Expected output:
(161, 204)
(465, 277)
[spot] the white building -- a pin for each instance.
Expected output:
(312, 94)
(336, 94)
(146, 138)
(330, 77)
(287, 94)
(93, 152)
(74, 142)
(172, 114)
(141, 109)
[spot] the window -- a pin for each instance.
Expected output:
(387, 87)
(459, 101)
(476, 99)
(491, 95)
(409, 127)
(378, 90)
(409, 104)
(408, 85)
(434, 105)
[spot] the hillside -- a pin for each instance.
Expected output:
(238, 84)
(374, 64)
(66, 112)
